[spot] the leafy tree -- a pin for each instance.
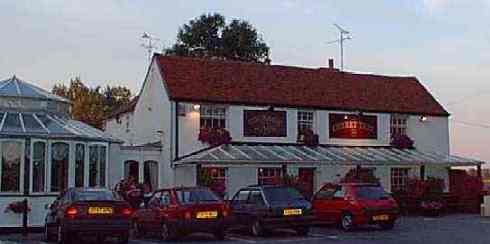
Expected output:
(210, 36)
(92, 105)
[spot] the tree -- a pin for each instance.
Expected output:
(92, 105)
(209, 36)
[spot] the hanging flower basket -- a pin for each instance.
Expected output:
(214, 136)
(17, 207)
(402, 142)
(308, 137)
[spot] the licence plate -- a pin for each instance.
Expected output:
(100, 210)
(383, 217)
(207, 215)
(289, 212)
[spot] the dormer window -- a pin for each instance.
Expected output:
(305, 121)
(398, 125)
(212, 116)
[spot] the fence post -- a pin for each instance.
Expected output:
(24, 217)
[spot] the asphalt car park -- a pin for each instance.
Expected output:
(447, 230)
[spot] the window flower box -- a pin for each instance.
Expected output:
(308, 137)
(18, 207)
(214, 136)
(401, 141)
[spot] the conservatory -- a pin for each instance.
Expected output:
(43, 151)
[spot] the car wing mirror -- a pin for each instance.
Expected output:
(48, 206)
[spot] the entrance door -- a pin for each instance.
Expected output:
(131, 169)
(306, 178)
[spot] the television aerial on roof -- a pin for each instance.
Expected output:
(344, 35)
(150, 45)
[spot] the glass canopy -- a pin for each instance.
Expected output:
(286, 153)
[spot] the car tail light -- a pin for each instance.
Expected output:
(71, 212)
(188, 215)
(127, 211)
(225, 213)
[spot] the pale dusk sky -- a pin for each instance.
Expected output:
(445, 43)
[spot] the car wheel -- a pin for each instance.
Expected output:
(219, 234)
(166, 233)
(303, 231)
(387, 225)
(346, 222)
(257, 228)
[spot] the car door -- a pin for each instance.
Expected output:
(255, 206)
(323, 203)
(339, 203)
(239, 207)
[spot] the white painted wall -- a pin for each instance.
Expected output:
(431, 135)
(123, 130)
(239, 177)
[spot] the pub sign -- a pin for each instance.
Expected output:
(351, 126)
(264, 123)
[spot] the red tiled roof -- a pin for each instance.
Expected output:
(217, 81)
(124, 109)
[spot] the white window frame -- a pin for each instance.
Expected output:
(85, 163)
(21, 171)
(46, 160)
(71, 165)
(301, 120)
(404, 181)
(87, 167)
(398, 124)
(212, 115)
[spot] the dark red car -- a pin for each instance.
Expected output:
(354, 204)
(180, 211)
(88, 212)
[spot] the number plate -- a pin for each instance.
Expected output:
(207, 215)
(100, 210)
(383, 217)
(289, 212)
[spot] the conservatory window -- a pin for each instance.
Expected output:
(97, 166)
(268, 176)
(38, 166)
(79, 164)
(59, 166)
(11, 166)
(399, 178)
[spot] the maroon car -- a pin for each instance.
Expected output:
(175, 212)
(88, 212)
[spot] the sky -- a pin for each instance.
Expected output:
(444, 43)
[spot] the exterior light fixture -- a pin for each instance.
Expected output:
(196, 107)
(423, 118)
(346, 117)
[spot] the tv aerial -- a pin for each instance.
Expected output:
(150, 45)
(343, 36)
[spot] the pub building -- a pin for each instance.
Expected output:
(228, 124)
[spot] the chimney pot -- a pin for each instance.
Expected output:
(330, 63)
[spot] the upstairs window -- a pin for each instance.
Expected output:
(305, 120)
(212, 117)
(398, 125)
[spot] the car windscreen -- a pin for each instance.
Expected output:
(371, 193)
(194, 196)
(96, 196)
(282, 194)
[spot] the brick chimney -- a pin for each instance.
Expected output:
(330, 63)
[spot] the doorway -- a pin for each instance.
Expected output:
(306, 177)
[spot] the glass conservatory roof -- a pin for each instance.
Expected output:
(47, 126)
(14, 87)
(253, 153)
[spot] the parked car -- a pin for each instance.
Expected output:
(80, 212)
(264, 208)
(354, 204)
(180, 211)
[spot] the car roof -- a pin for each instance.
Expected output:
(78, 189)
(259, 187)
(179, 188)
(359, 184)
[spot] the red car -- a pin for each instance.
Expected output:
(88, 212)
(354, 204)
(180, 211)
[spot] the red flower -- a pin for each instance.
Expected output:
(17, 207)
(402, 142)
(214, 136)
